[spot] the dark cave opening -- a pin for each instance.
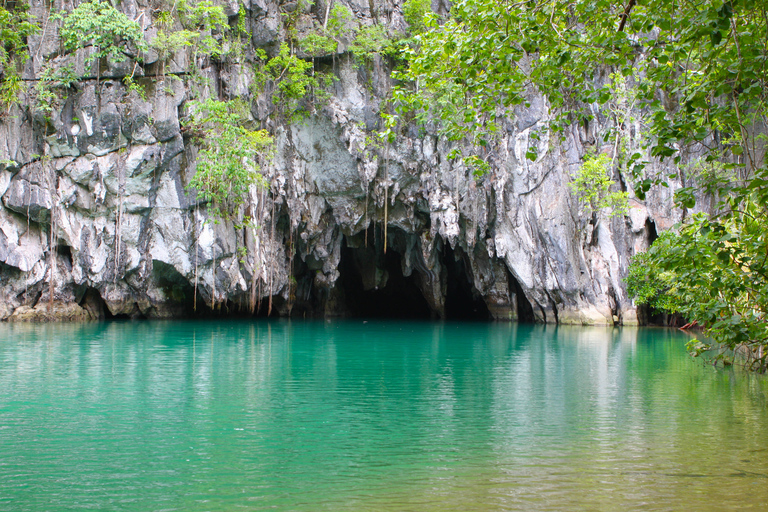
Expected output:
(462, 300)
(65, 252)
(524, 307)
(374, 285)
(90, 299)
(650, 231)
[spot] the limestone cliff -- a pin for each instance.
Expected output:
(96, 218)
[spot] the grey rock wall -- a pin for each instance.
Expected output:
(96, 219)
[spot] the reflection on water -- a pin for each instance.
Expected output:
(372, 416)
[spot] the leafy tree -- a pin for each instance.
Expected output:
(230, 156)
(317, 45)
(338, 22)
(371, 40)
(593, 186)
(15, 25)
(697, 74)
(293, 79)
(109, 31)
(712, 272)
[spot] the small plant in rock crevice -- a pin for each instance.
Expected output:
(230, 157)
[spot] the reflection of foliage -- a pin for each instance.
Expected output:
(230, 155)
(99, 24)
(593, 186)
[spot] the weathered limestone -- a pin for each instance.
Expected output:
(100, 194)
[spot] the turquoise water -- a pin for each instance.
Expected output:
(230, 416)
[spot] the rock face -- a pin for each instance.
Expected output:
(96, 218)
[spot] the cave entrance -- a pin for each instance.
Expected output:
(462, 300)
(374, 285)
(524, 308)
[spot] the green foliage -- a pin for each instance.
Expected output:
(10, 87)
(15, 25)
(372, 40)
(294, 82)
(167, 43)
(649, 283)
(414, 12)
(694, 74)
(134, 86)
(203, 27)
(50, 86)
(202, 15)
(290, 73)
(230, 156)
(339, 20)
(98, 24)
(317, 45)
(714, 271)
(593, 186)
(241, 30)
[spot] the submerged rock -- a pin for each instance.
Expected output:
(60, 312)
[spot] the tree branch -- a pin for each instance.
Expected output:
(625, 15)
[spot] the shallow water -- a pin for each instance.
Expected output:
(304, 416)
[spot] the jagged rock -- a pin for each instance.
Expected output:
(109, 171)
(29, 193)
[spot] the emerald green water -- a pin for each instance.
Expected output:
(297, 416)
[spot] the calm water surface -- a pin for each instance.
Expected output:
(239, 415)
